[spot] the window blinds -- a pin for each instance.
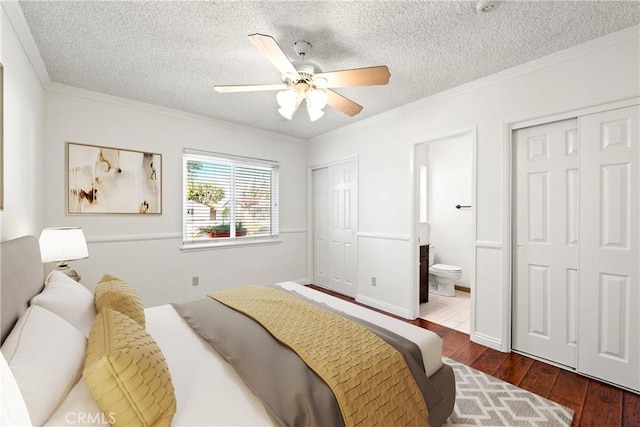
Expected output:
(228, 198)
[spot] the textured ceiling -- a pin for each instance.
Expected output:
(172, 53)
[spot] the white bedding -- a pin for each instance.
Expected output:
(208, 390)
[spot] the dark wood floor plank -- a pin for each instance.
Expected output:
(468, 352)
(453, 341)
(630, 410)
(602, 405)
(439, 329)
(570, 386)
(489, 361)
(540, 378)
(513, 369)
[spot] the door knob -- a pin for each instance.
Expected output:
(520, 247)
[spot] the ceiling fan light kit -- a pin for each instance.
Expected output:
(289, 99)
(304, 80)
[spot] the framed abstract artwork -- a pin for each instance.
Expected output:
(105, 180)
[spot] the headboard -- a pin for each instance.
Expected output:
(22, 277)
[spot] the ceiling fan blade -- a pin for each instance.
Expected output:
(368, 76)
(249, 88)
(269, 48)
(343, 104)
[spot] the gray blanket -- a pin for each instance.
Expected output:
(292, 393)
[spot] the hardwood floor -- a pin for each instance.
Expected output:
(595, 403)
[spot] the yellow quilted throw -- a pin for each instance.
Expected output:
(370, 379)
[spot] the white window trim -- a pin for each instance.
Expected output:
(230, 243)
(198, 245)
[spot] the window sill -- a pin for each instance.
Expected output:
(226, 244)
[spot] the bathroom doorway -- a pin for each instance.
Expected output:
(445, 216)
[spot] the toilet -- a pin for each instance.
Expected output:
(442, 277)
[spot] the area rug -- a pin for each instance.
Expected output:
(482, 400)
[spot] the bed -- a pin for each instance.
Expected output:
(208, 390)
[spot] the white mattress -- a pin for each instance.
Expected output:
(208, 390)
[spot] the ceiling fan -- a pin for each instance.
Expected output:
(303, 80)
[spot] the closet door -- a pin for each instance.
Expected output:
(609, 340)
(335, 217)
(545, 264)
(343, 226)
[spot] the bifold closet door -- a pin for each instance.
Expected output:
(545, 263)
(609, 321)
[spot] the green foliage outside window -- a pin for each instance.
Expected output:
(207, 194)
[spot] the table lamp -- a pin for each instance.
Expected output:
(61, 245)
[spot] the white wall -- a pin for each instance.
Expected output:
(145, 249)
(596, 72)
(449, 166)
(23, 139)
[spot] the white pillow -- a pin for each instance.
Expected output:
(68, 299)
(46, 355)
(13, 411)
(79, 409)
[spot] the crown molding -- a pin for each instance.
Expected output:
(630, 34)
(21, 28)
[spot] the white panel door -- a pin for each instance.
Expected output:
(546, 239)
(609, 255)
(343, 227)
(335, 227)
(321, 231)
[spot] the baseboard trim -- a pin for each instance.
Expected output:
(398, 311)
(486, 341)
(385, 236)
(462, 288)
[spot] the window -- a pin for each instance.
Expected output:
(228, 199)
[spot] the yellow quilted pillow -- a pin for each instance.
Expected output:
(127, 374)
(117, 294)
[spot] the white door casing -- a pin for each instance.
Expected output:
(335, 227)
(546, 232)
(609, 340)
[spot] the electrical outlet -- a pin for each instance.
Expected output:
(195, 281)
(373, 281)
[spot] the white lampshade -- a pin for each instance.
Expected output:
(63, 244)
(287, 98)
(314, 113)
(317, 99)
(286, 112)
